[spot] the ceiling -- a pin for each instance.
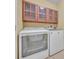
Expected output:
(54, 1)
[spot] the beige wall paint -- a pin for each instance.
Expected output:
(28, 24)
(61, 14)
(18, 25)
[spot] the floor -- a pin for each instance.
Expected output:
(59, 55)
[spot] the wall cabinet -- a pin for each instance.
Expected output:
(56, 41)
(34, 13)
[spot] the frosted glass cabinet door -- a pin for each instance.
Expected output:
(29, 11)
(33, 44)
(55, 18)
(50, 15)
(33, 11)
(42, 14)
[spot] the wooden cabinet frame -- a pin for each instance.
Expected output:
(37, 19)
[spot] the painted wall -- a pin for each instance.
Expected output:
(28, 24)
(61, 14)
(18, 26)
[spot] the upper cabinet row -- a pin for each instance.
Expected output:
(35, 13)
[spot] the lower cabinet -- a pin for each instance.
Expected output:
(56, 41)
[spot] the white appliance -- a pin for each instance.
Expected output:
(56, 41)
(33, 43)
